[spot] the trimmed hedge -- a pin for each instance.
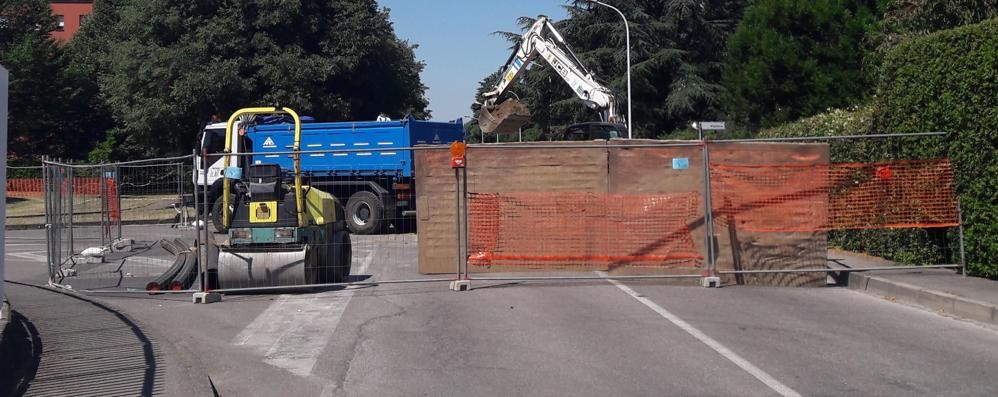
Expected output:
(948, 81)
(910, 246)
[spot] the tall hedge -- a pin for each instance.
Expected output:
(948, 81)
(909, 246)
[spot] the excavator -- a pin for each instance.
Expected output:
(501, 114)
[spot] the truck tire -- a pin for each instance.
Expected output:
(364, 213)
(216, 214)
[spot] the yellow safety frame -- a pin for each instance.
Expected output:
(296, 156)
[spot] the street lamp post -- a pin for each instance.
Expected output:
(627, 38)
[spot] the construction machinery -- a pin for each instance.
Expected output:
(501, 114)
(377, 186)
(281, 231)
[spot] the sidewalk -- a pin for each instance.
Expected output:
(75, 346)
(940, 290)
(82, 348)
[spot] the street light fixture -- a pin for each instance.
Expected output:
(627, 38)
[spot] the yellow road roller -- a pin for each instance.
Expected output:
(281, 232)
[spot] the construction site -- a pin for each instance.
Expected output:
(285, 254)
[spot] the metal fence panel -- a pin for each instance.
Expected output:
(756, 211)
(373, 240)
(875, 202)
(117, 226)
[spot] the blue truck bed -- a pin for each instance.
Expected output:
(382, 137)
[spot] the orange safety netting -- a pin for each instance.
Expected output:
(35, 187)
(788, 198)
(581, 229)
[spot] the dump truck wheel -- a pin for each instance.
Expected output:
(364, 213)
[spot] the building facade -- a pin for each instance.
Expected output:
(69, 15)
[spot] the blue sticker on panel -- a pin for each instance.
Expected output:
(680, 163)
(234, 173)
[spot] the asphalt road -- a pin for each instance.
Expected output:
(582, 338)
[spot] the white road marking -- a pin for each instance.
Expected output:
(362, 269)
(29, 256)
(293, 331)
(742, 363)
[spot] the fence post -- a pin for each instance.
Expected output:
(203, 261)
(48, 222)
(708, 216)
(105, 205)
(963, 255)
(460, 283)
(457, 219)
(464, 258)
(72, 190)
(197, 217)
(117, 198)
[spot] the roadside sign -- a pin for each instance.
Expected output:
(712, 125)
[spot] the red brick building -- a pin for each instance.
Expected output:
(69, 15)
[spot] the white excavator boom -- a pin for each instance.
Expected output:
(504, 115)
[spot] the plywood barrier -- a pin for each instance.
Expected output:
(559, 207)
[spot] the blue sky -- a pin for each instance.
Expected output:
(456, 43)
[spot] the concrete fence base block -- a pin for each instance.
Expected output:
(460, 285)
(207, 297)
(122, 245)
(710, 282)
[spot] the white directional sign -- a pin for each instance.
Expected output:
(712, 125)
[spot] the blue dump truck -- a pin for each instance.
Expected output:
(369, 170)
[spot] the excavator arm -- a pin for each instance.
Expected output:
(542, 40)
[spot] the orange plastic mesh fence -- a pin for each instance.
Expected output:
(35, 187)
(790, 198)
(579, 230)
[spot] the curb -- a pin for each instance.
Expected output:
(191, 380)
(936, 301)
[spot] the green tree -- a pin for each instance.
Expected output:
(165, 67)
(790, 59)
(677, 48)
(677, 51)
(44, 106)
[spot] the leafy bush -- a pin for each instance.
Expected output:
(946, 81)
(911, 246)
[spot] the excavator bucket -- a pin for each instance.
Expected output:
(506, 118)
